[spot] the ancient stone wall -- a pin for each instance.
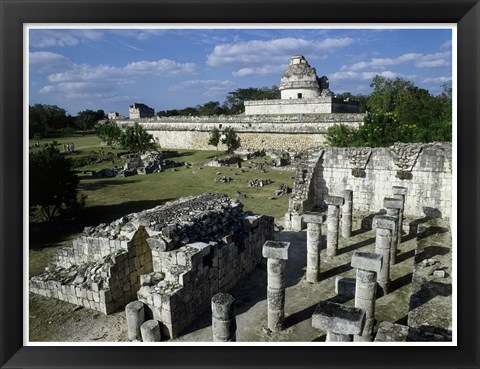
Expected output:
(195, 272)
(425, 170)
(180, 254)
(97, 272)
(305, 105)
(297, 132)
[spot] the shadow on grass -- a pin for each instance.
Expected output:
(46, 234)
(100, 183)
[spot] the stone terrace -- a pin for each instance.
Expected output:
(182, 253)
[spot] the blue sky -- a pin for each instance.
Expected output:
(110, 69)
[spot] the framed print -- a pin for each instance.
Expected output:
(321, 222)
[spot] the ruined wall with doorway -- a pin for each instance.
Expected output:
(424, 169)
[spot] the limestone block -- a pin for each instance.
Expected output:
(334, 200)
(345, 286)
(312, 217)
(384, 222)
(399, 190)
(275, 250)
(337, 318)
(392, 203)
(366, 261)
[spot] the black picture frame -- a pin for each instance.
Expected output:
(14, 13)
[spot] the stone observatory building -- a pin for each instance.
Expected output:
(302, 92)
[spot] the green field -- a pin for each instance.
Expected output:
(110, 198)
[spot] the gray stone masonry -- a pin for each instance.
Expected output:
(345, 286)
(394, 207)
(339, 321)
(333, 220)
(277, 255)
(347, 209)
(223, 318)
(385, 226)
(314, 237)
(366, 261)
(370, 173)
(135, 314)
(400, 192)
(368, 265)
(173, 258)
(150, 331)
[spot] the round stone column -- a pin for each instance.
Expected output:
(383, 241)
(314, 237)
(333, 220)
(277, 254)
(347, 213)
(135, 315)
(150, 331)
(224, 324)
(393, 207)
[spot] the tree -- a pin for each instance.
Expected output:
(44, 119)
(53, 183)
(137, 140)
(339, 135)
(109, 133)
(214, 138)
(235, 99)
(87, 119)
(230, 139)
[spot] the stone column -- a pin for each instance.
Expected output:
(314, 236)
(368, 265)
(393, 207)
(339, 321)
(333, 219)
(224, 324)
(347, 209)
(135, 314)
(277, 254)
(400, 192)
(385, 226)
(150, 331)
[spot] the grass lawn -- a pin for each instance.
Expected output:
(110, 198)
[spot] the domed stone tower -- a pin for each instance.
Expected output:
(301, 92)
(300, 80)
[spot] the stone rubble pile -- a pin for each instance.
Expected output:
(219, 162)
(259, 182)
(223, 179)
(282, 189)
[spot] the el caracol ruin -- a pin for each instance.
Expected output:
(364, 254)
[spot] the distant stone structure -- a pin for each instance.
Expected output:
(139, 110)
(113, 115)
(298, 120)
(172, 258)
(302, 92)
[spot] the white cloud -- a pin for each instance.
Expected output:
(208, 88)
(46, 89)
(259, 71)
(45, 61)
(249, 58)
(46, 38)
(52, 38)
(354, 75)
(80, 80)
(128, 73)
(446, 45)
(434, 60)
